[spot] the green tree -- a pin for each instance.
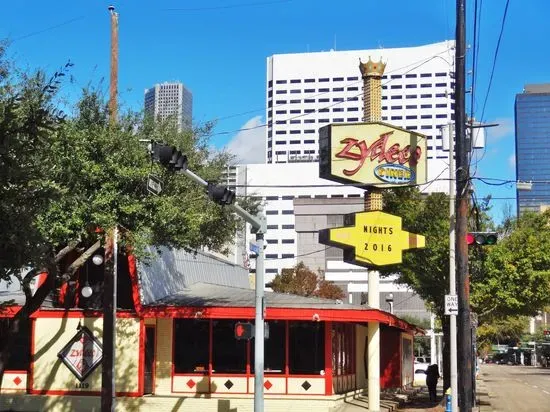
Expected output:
(302, 281)
(63, 177)
(512, 278)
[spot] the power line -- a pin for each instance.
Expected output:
(331, 105)
(495, 58)
(229, 6)
(34, 33)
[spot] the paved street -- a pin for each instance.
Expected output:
(517, 388)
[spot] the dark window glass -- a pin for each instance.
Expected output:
(280, 101)
(309, 90)
(280, 122)
(295, 81)
(398, 97)
(441, 116)
(274, 349)
(396, 117)
(411, 86)
(287, 226)
(396, 76)
(353, 89)
(410, 76)
(281, 81)
(295, 101)
(440, 95)
(272, 241)
(426, 116)
(191, 345)
(440, 84)
(309, 110)
(294, 132)
(411, 117)
(425, 127)
(280, 132)
(295, 111)
(441, 105)
(280, 142)
(323, 120)
(307, 131)
(294, 91)
(309, 141)
(338, 120)
(266, 271)
(324, 90)
(271, 256)
(309, 81)
(425, 106)
(411, 96)
(287, 197)
(271, 212)
(338, 89)
(324, 110)
(354, 99)
(324, 79)
(324, 100)
(270, 83)
(306, 347)
(352, 109)
(297, 121)
(426, 85)
(396, 107)
(272, 197)
(353, 78)
(280, 92)
(288, 212)
(396, 86)
(309, 120)
(273, 226)
(353, 119)
(411, 106)
(228, 353)
(294, 142)
(338, 109)
(426, 75)
(384, 107)
(337, 79)
(287, 255)
(338, 99)
(440, 74)
(288, 241)
(280, 112)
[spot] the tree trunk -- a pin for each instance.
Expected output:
(21, 319)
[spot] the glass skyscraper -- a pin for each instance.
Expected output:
(532, 112)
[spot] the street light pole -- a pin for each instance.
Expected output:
(258, 223)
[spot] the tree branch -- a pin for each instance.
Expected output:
(65, 251)
(71, 270)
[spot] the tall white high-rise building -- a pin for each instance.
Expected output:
(306, 91)
(309, 90)
(170, 99)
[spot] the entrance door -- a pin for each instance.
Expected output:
(149, 370)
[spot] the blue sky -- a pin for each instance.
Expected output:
(219, 49)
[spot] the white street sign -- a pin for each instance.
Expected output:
(451, 305)
(154, 185)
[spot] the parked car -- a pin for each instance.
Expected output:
(423, 359)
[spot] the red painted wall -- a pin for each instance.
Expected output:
(390, 358)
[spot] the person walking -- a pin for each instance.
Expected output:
(432, 376)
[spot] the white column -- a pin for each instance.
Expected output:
(374, 344)
(433, 345)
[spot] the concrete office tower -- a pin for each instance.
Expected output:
(170, 99)
(306, 91)
(532, 113)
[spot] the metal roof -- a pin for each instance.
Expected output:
(175, 270)
(207, 294)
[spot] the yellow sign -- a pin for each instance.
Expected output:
(376, 154)
(372, 239)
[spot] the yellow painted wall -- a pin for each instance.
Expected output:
(51, 335)
(360, 340)
(172, 404)
(163, 356)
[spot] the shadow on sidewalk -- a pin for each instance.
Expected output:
(421, 402)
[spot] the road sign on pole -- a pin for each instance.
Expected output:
(154, 185)
(451, 305)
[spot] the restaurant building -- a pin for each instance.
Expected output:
(176, 347)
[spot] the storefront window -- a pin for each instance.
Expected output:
(229, 354)
(191, 345)
(307, 348)
(19, 358)
(274, 348)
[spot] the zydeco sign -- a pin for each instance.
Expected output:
(375, 154)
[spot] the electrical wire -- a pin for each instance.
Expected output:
(502, 25)
(229, 6)
(48, 28)
(268, 124)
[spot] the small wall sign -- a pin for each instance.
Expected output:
(82, 354)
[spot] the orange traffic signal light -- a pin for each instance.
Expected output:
(244, 330)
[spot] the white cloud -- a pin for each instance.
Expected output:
(248, 146)
(504, 129)
(512, 161)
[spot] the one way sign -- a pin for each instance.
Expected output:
(451, 305)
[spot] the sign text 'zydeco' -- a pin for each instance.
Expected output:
(371, 239)
(82, 354)
(372, 154)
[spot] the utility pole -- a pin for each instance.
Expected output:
(108, 393)
(462, 194)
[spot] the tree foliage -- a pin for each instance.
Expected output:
(302, 281)
(512, 277)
